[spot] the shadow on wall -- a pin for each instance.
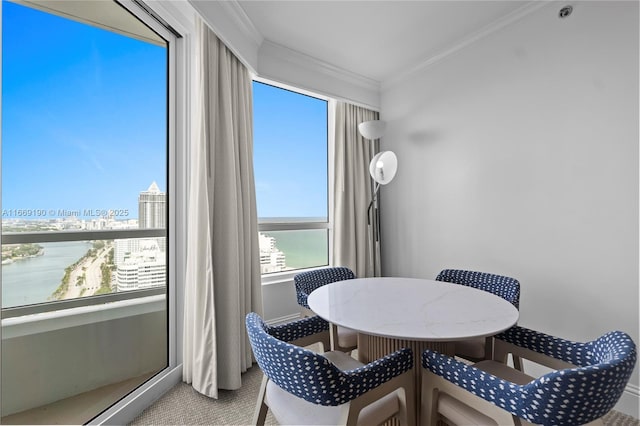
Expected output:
(423, 137)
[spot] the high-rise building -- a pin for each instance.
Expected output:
(271, 259)
(152, 205)
(141, 262)
(143, 268)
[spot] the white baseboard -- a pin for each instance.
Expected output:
(629, 402)
(130, 406)
(282, 320)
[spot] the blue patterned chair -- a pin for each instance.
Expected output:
(342, 338)
(303, 387)
(586, 382)
(505, 287)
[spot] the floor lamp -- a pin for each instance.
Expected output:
(382, 168)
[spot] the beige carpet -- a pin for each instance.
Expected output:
(184, 406)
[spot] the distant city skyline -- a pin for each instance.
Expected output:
(83, 115)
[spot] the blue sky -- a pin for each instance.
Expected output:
(83, 115)
(84, 124)
(290, 153)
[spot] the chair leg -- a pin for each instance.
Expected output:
(402, 413)
(333, 336)
(429, 396)
(407, 415)
(348, 415)
(517, 362)
(260, 414)
(488, 348)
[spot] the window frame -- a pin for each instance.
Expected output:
(173, 128)
(277, 277)
(178, 19)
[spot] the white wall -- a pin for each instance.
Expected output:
(518, 155)
(279, 300)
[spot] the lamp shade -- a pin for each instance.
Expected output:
(383, 167)
(372, 129)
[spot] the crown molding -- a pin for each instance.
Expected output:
(491, 28)
(232, 26)
(311, 63)
(242, 21)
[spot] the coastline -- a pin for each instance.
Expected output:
(87, 277)
(17, 255)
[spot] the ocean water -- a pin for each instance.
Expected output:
(302, 249)
(33, 280)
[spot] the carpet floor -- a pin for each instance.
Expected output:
(184, 406)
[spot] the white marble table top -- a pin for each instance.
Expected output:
(411, 308)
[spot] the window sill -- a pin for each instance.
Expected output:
(73, 317)
(286, 276)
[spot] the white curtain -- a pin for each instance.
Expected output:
(355, 226)
(222, 282)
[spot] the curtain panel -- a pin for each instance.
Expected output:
(222, 282)
(354, 243)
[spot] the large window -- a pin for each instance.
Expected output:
(291, 172)
(84, 158)
(87, 118)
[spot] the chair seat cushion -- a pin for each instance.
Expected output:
(288, 409)
(460, 414)
(457, 412)
(347, 337)
(504, 372)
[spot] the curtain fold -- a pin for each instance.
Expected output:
(354, 227)
(222, 282)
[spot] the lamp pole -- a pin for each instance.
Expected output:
(382, 168)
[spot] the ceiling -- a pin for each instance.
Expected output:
(376, 39)
(103, 14)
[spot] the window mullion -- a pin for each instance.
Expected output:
(18, 311)
(292, 226)
(54, 237)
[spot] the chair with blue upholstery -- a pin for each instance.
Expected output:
(303, 387)
(342, 338)
(505, 287)
(586, 382)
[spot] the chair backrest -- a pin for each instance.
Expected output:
(306, 282)
(505, 287)
(585, 393)
(299, 371)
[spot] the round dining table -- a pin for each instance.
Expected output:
(390, 313)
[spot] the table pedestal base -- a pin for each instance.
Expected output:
(371, 348)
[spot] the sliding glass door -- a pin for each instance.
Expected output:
(85, 208)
